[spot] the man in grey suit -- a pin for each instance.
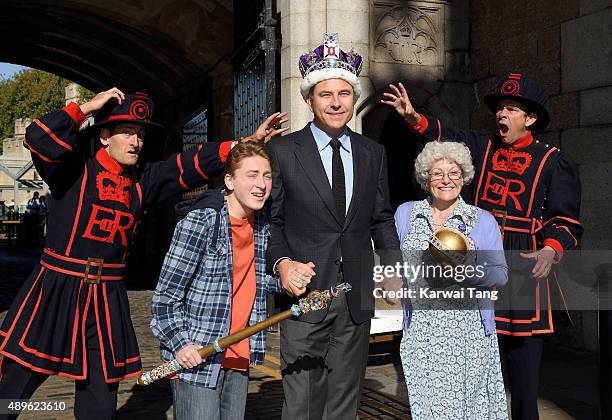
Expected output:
(329, 201)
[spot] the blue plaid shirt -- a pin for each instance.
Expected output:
(192, 301)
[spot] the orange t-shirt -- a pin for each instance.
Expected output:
(243, 291)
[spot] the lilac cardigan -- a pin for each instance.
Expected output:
(486, 237)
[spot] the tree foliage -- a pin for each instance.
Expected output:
(85, 94)
(30, 93)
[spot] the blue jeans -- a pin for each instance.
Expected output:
(225, 402)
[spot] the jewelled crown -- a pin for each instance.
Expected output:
(328, 61)
(330, 56)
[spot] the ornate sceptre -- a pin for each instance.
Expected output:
(316, 300)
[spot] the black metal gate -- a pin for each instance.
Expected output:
(195, 133)
(256, 71)
(256, 67)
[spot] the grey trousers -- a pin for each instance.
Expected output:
(225, 402)
(323, 365)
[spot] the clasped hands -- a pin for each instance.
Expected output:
(295, 276)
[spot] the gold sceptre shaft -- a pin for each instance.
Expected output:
(316, 300)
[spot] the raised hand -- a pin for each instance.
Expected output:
(269, 128)
(98, 101)
(398, 99)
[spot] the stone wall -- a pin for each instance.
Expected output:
(423, 43)
(72, 93)
(566, 45)
(14, 157)
(303, 24)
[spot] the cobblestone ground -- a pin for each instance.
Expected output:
(568, 387)
(155, 401)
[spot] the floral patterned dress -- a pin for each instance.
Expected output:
(451, 367)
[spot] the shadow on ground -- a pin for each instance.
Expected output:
(157, 398)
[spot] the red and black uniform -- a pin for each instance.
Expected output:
(78, 287)
(533, 190)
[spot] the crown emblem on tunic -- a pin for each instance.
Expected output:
(330, 56)
(505, 160)
(114, 187)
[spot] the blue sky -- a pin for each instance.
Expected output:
(8, 69)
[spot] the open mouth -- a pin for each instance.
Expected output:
(258, 195)
(503, 128)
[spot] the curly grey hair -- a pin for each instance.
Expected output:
(448, 150)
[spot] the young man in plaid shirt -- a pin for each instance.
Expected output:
(212, 284)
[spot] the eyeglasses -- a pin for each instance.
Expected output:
(438, 175)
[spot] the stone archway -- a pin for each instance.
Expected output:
(402, 146)
(179, 51)
(381, 123)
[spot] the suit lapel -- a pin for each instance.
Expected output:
(309, 158)
(361, 157)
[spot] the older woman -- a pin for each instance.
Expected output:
(449, 348)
